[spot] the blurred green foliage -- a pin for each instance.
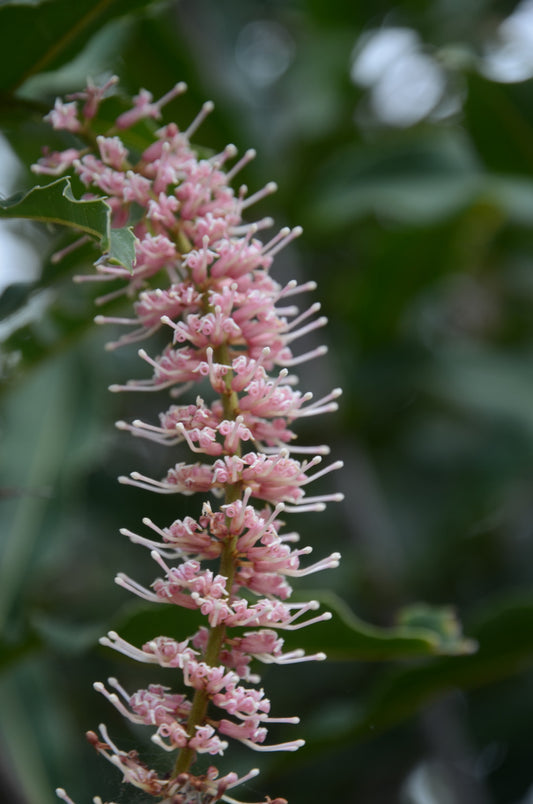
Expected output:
(418, 218)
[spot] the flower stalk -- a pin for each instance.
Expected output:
(202, 273)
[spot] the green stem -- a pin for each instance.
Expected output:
(227, 568)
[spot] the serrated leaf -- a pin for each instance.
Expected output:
(55, 204)
(51, 204)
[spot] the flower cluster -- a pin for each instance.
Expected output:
(202, 273)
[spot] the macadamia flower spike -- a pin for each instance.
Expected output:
(202, 275)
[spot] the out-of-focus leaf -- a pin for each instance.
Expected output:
(30, 698)
(504, 633)
(41, 329)
(12, 652)
(66, 637)
(486, 381)
(499, 120)
(440, 620)
(346, 637)
(99, 57)
(418, 181)
(14, 297)
(38, 446)
(35, 38)
(55, 203)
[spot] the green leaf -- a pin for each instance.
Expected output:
(439, 620)
(348, 638)
(65, 637)
(52, 319)
(34, 38)
(489, 382)
(419, 181)
(52, 204)
(55, 203)
(505, 145)
(15, 651)
(504, 633)
(423, 179)
(122, 246)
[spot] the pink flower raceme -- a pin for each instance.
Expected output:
(202, 273)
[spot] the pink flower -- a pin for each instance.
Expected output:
(56, 162)
(93, 96)
(64, 116)
(112, 152)
(144, 107)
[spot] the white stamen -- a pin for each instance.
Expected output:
(228, 153)
(291, 746)
(331, 468)
(148, 483)
(206, 109)
(320, 619)
(177, 89)
(292, 288)
(268, 189)
(314, 308)
(320, 322)
(243, 229)
(321, 405)
(331, 562)
(295, 361)
(132, 586)
(248, 156)
(62, 794)
(288, 238)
